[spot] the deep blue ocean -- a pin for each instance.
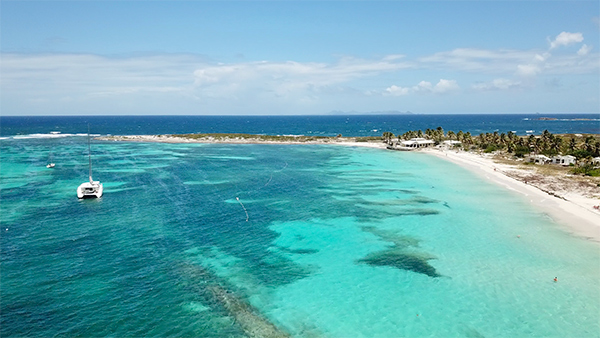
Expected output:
(347, 125)
(248, 240)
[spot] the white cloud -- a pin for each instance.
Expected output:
(91, 80)
(159, 82)
(477, 60)
(502, 62)
(584, 50)
(443, 86)
(541, 58)
(397, 91)
(423, 86)
(528, 70)
(565, 39)
(497, 84)
(288, 79)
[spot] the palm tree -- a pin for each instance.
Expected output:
(511, 136)
(531, 142)
(468, 138)
(556, 144)
(504, 139)
(588, 144)
(429, 133)
(572, 144)
(440, 131)
(387, 137)
(538, 145)
(451, 135)
(495, 138)
(510, 146)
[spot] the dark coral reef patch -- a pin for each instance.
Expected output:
(402, 260)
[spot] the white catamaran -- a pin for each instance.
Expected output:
(50, 162)
(91, 189)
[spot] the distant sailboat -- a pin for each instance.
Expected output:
(50, 162)
(91, 189)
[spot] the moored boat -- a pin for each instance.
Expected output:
(91, 189)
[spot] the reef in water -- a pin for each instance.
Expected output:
(401, 260)
(401, 254)
(208, 285)
(298, 251)
(288, 271)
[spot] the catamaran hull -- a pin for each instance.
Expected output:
(90, 190)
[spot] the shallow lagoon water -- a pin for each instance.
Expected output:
(339, 242)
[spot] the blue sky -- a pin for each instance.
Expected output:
(298, 57)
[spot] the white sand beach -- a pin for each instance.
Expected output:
(566, 202)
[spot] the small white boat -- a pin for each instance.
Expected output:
(50, 163)
(91, 189)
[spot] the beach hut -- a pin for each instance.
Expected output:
(564, 160)
(539, 159)
(412, 144)
(415, 143)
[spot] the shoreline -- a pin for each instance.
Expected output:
(567, 207)
(571, 209)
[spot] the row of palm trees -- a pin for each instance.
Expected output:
(546, 143)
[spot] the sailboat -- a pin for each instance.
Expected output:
(50, 163)
(91, 189)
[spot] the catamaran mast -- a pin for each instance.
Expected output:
(90, 154)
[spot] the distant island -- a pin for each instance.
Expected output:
(555, 119)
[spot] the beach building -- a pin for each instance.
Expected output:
(449, 144)
(539, 159)
(413, 144)
(596, 161)
(564, 160)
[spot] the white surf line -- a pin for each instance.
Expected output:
(246, 211)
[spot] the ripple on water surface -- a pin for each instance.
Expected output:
(310, 241)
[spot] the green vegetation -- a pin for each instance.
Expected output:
(583, 147)
(222, 137)
(586, 169)
(262, 138)
(580, 146)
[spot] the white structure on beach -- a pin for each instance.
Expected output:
(450, 144)
(564, 160)
(596, 161)
(539, 159)
(413, 144)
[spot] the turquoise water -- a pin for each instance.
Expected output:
(320, 241)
